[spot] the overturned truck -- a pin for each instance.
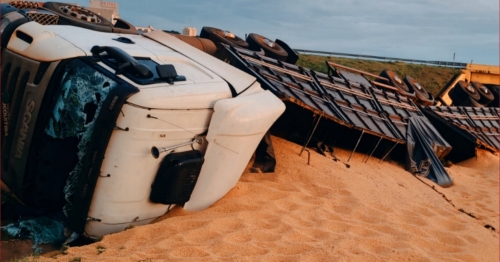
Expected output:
(108, 129)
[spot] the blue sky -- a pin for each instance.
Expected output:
(417, 29)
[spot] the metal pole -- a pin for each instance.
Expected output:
(388, 152)
(309, 132)
(380, 139)
(333, 145)
(357, 143)
(308, 156)
(327, 132)
(312, 133)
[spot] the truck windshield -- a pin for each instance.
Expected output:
(74, 124)
(83, 90)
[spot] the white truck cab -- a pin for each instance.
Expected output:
(115, 129)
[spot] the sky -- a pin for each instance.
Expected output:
(414, 29)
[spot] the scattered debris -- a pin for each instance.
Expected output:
(490, 227)
(467, 213)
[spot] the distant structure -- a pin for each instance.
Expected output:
(189, 31)
(142, 30)
(108, 10)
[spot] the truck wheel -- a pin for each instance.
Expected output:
(79, 16)
(271, 48)
(292, 55)
(495, 91)
(475, 103)
(431, 99)
(485, 95)
(220, 36)
(463, 93)
(423, 97)
(394, 80)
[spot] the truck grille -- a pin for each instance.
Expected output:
(31, 9)
(22, 94)
(43, 18)
(24, 4)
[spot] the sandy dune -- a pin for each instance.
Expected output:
(325, 212)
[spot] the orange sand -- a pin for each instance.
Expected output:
(325, 212)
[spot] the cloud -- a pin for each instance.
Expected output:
(419, 29)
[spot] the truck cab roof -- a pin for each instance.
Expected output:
(205, 79)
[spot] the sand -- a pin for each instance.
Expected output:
(325, 212)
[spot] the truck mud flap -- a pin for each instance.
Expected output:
(237, 126)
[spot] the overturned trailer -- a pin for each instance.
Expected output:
(381, 108)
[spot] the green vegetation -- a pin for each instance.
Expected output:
(433, 78)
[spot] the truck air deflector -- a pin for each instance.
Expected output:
(237, 124)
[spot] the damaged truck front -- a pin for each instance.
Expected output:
(109, 130)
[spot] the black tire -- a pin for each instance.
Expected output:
(219, 36)
(292, 55)
(394, 80)
(79, 16)
(495, 90)
(423, 97)
(475, 103)
(486, 96)
(431, 98)
(462, 94)
(271, 48)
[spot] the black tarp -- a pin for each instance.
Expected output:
(265, 161)
(425, 144)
